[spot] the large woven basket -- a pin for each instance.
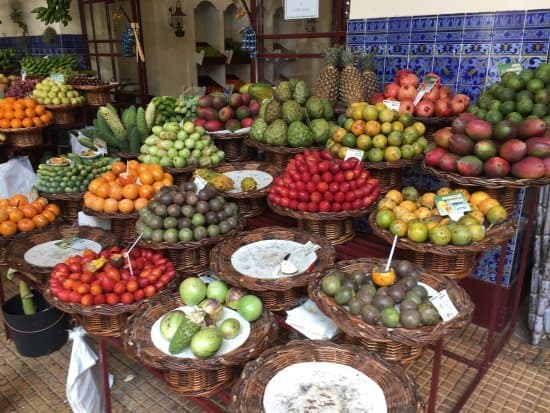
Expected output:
(275, 155)
(192, 257)
(63, 114)
(389, 173)
(400, 391)
(125, 156)
(337, 227)
(186, 376)
(251, 203)
(484, 182)
(96, 95)
(24, 137)
(181, 175)
(122, 225)
(234, 146)
(70, 203)
(15, 252)
(449, 260)
(278, 293)
(397, 344)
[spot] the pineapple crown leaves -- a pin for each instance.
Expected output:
(347, 57)
(366, 61)
(333, 55)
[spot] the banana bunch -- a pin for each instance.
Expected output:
(39, 66)
(56, 12)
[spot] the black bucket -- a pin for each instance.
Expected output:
(39, 334)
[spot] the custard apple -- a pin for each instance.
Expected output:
(283, 92)
(257, 130)
(299, 134)
(292, 111)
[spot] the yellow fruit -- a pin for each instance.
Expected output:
(477, 197)
(386, 128)
(399, 228)
(477, 231)
(342, 152)
(420, 127)
(478, 215)
(464, 192)
(417, 231)
(395, 196)
(487, 204)
(383, 278)
(380, 106)
(392, 154)
(423, 213)
(399, 211)
(427, 200)
(357, 113)
(407, 216)
(409, 205)
(386, 203)
(372, 128)
(496, 214)
(444, 191)
(431, 224)
(398, 126)
(364, 142)
(386, 115)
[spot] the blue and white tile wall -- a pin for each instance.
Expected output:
(64, 44)
(464, 49)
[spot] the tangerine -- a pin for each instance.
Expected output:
(54, 208)
(146, 178)
(27, 123)
(146, 191)
(16, 215)
(116, 192)
(8, 114)
(103, 190)
(97, 204)
(109, 176)
(118, 167)
(158, 173)
(37, 121)
(40, 220)
(130, 191)
(16, 123)
(49, 215)
(4, 216)
(19, 114)
(140, 203)
(19, 105)
(126, 206)
(29, 102)
(25, 225)
(29, 211)
(30, 113)
(168, 177)
(110, 205)
(4, 123)
(8, 228)
(39, 109)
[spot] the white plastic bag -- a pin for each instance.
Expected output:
(83, 388)
(16, 177)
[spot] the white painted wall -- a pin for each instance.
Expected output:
(361, 9)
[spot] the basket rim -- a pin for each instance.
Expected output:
(229, 135)
(21, 235)
(394, 164)
(321, 216)
(434, 120)
(108, 215)
(354, 326)
(484, 181)
(124, 155)
(92, 88)
(147, 353)
(194, 244)
(21, 130)
(220, 259)
(267, 167)
(62, 196)
(315, 351)
(61, 107)
(493, 237)
(278, 149)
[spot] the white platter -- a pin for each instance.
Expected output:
(50, 253)
(66, 162)
(262, 178)
(227, 345)
(323, 387)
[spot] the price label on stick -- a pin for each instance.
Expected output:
(126, 255)
(354, 153)
(444, 306)
(392, 104)
(454, 205)
(200, 183)
(427, 85)
(57, 77)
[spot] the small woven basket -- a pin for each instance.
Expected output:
(400, 391)
(389, 173)
(181, 175)
(126, 156)
(96, 95)
(393, 344)
(186, 376)
(70, 203)
(63, 114)
(337, 227)
(275, 155)
(192, 257)
(449, 260)
(15, 252)
(234, 146)
(251, 203)
(122, 225)
(24, 137)
(277, 293)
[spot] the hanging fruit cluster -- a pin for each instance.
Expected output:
(57, 11)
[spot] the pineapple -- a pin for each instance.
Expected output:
(350, 88)
(370, 83)
(329, 77)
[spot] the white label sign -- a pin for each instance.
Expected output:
(392, 104)
(200, 183)
(354, 153)
(301, 9)
(444, 305)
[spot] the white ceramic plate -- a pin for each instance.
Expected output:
(51, 161)
(322, 387)
(261, 259)
(227, 345)
(94, 155)
(262, 178)
(50, 253)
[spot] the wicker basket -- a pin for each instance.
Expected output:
(278, 293)
(122, 225)
(24, 137)
(192, 257)
(16, 250)
(400, 391)
(485, 182)
(96, 95)
(125, 156)
(63, 114)
(389, 173)
(393, 344)
(251, 203)
(181, 175)
(193, 377)
(233, 144)
(455, 267)
(275, 155)
(70, 203)
(337, 227)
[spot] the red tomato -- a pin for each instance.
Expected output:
(96, 289)
(313, 206)
(132, 285)
(87, 277)
(113, 273)
(336, 207)
(322, 186)
(149, 291)
(324, 206)
(340, 197)
(61, 268)
(143, 282)
(64, 295)
(75, 259)
(357, 203)
(346, 206)
(87, 299)
(120, 287)
(139, 295)
(112, 298)
(83, 288)
(99, 299)
(75, 267)
(127, 298)
(285, 202)
(107, 284)
(75, 297)
(68, 283)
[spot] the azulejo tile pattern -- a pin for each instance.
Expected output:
(462, 48)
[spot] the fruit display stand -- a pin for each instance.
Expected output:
(123, 225)
(337, 227)
(64, 114)
(393, 344)
(192, 257)
(389, 173)
(455, 262)
(277, 293)
(97, 95)
(251, 203)
(24, 137)
(276, 155)
(400, 392)
(234, 145)
(70, 203)
(188, 376)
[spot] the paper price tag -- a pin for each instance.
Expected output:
(75, 243)
(23, 74)
(427, 85)
(392, 104)
(509, 67)
(57, 77)
(454, 205)
(354, 153)
(444, 306)
(200, 183)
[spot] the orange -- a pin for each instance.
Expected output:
(4, 123)
(29, 211)
(88, 199)
(109, 176)
(142, 167)
(29, 103)
(19, 114)
(39, 109)
(168, 177)
(25, 225)
(126, 206)
(126, 178)
(4, 203)
(118, 167)
(103, 191)
(94, 184)
(16, 214)
(167, 182)
(158, 173)
(30, 113)
(4, 216)
(16, 123)
(45, 118)
(98, 204)
(54, 208)
(146, 178)
(383, 278)
(8, 114)
(27, 123)
(485, 205)
(40, 221)
(18, 200)
(140, 203)
(130, 191)
(37, 121)
(49, 215)
(116, 192)
(146, 191)
(19, 105)
(157, 185)
(8, 228)
(110, 205)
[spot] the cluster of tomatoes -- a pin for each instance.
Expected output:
(111, 277)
